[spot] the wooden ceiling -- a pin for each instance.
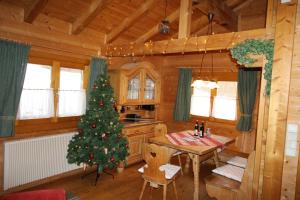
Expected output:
(123, 21)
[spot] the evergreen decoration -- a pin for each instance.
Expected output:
(241, 52)
(99, 140)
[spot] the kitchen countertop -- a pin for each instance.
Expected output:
(128, 124)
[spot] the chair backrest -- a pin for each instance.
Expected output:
(160, 130)
(245, 191)
(155, 156)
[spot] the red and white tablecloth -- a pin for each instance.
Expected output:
(187, 138)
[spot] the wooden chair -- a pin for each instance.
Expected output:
(161, 130)
(157, 171)
(221, 187)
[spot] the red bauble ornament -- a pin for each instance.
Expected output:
(91, 156)
(112, 159)
(93, 125)
(101, 103)
(80, 131)
(127, 146)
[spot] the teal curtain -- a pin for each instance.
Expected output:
(97, 66)
(247, 84)
(13, 64)
(184, 92)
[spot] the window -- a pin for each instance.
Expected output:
(200, 102)
(37, 95)
(222, 101)
(225, 101)
(71, 94)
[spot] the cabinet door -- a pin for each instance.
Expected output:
(149, 90)
(135, 148)
(134, 88)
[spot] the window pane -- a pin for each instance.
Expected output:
(37, 96)
(225, 101)
(71, 100)
(37, 77)
(200, 102)
(70, 79)
(133, 88)
(71, 103)
(36, 104)
(149, 88)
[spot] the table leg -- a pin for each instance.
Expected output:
(187, 164)
(196, 170)
(216, 158)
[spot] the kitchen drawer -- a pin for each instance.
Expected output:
(138, 130)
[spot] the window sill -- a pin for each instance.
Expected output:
(46, 126)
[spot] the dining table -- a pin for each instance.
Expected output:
(198, 149)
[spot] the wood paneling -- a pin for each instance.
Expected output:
(10, 12)
(32, 13)
(127, 22)
(169, 72)
(291, 167)
(40, 37)
(279, 98)
(88, 15)
(84, 14)
(155, 29)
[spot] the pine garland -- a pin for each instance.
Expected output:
(241, 51)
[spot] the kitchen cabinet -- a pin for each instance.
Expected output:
(136, 84)
(137, 136)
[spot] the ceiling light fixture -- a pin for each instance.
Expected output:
(211, 83)
(164, 26)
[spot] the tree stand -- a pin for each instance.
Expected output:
(97, 174)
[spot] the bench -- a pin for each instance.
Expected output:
(220, 187)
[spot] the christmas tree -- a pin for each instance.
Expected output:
(99, 140)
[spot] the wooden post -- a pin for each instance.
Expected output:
(260, 134)
(185, 18)
(55, 86)
(284, 40)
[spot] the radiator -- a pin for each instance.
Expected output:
(33, 159)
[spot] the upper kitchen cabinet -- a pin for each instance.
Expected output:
(136, 84)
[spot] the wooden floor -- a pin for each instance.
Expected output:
(127, 185)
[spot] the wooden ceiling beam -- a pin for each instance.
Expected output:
(32, 13)
(242, 5)
(155, 29)
(46, 39)
(204, 7)
(197, 24)
(86, 17)
(127, 22)
(221, 9)
(183, 45)
(185, 18)
(224, 15)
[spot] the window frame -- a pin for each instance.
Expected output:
(213, 94)
(55, 79)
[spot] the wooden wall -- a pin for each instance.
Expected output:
(291, 166)
(224, 69)
(244, 141)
